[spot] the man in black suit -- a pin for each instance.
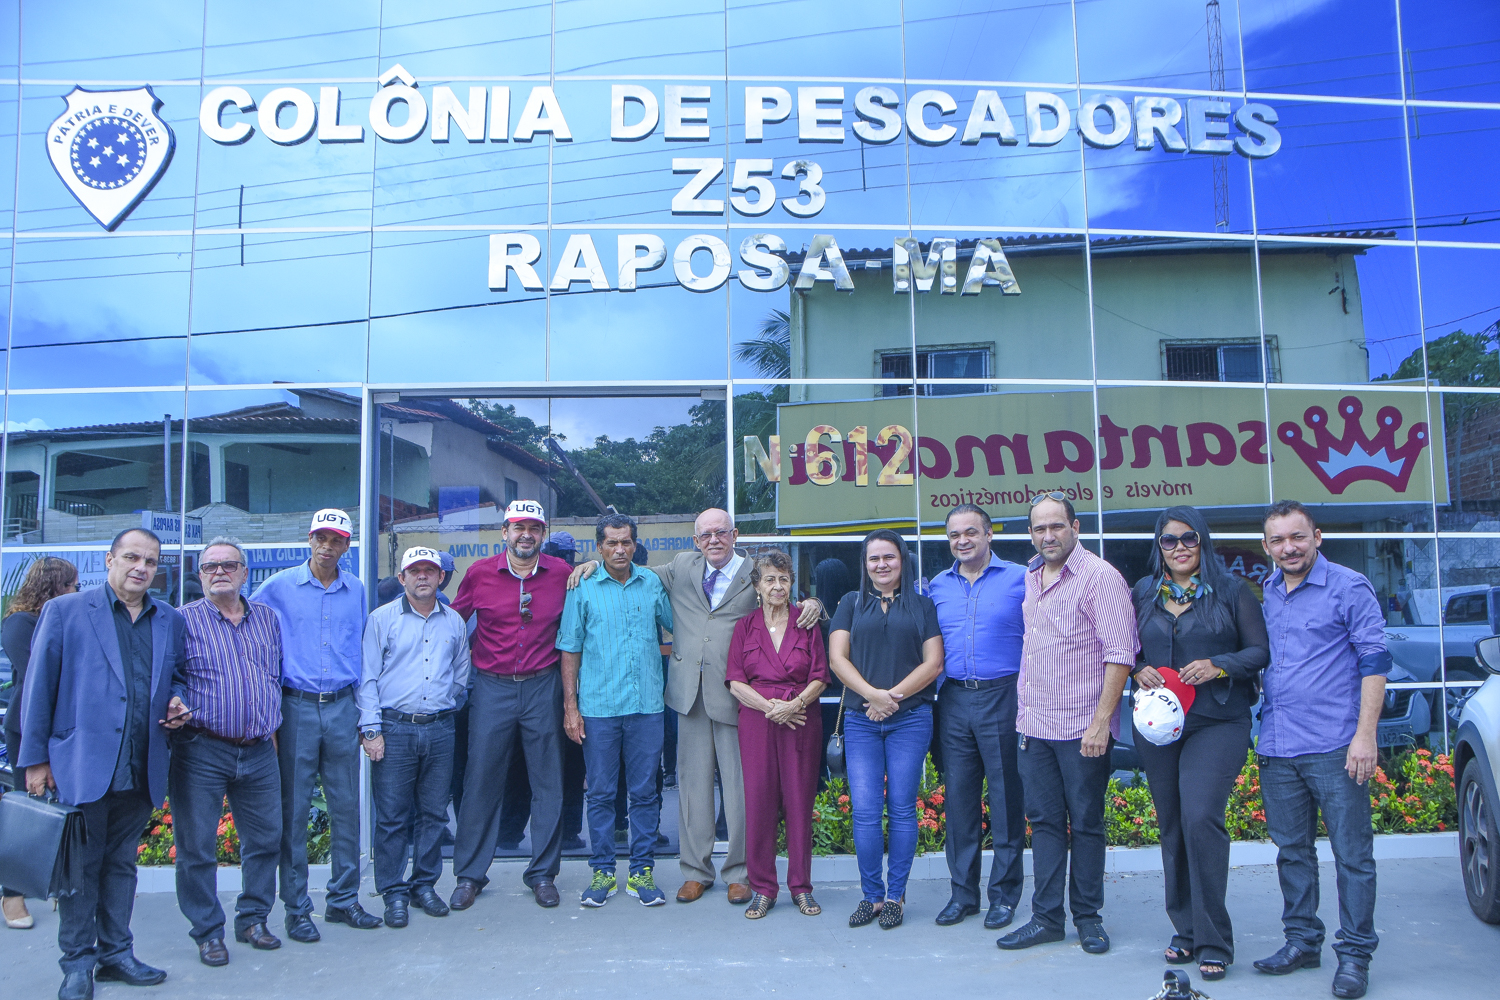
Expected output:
(101, 693)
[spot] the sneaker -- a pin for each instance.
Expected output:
(642, 885)
(600, 889)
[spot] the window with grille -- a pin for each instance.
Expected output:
(1222, 361)
(956, 363)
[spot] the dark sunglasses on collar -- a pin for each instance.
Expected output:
(1189, 539)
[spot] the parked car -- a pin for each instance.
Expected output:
(1475, 758)
(1422, 645)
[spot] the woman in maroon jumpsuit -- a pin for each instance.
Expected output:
(777, 670)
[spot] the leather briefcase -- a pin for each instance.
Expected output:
(41, 843)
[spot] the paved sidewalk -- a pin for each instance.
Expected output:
(505, 946)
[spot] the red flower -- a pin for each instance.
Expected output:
(172, 853)
(843, 800)
(936, 799)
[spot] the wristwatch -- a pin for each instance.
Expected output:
(371, 734)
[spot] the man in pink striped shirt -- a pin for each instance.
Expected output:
(1080, 640)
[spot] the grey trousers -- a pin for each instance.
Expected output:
(702, 745)
(319, 740)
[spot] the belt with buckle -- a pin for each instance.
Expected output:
(518, 677)
(322, 698)
(976, 684)
(231, 740)
(391, 715)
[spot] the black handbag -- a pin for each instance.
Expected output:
(41, 845)
(836, 764)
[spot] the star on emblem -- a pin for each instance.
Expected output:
(93, 161)
(120, 138)
(109, 150)
(121, 159)
(93, 144)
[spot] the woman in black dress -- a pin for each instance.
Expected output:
(47, 578)
(1197, 619)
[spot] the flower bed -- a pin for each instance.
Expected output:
(1412, 792)
(158, 846)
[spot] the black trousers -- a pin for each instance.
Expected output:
(505, 716)
(203, 771)
(1065, 799)
(977, 731)
(515, 809)
(1190, 780)
(93, 925)
(13, 754)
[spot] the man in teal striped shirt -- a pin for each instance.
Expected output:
(612, 703)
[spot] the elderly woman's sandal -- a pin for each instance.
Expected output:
(759, 906)
(806, 904)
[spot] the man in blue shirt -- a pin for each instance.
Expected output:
(322, 613)
(612, 703)
(1323, 693)
(978, 603)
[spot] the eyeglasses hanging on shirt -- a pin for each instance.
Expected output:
(525, 606)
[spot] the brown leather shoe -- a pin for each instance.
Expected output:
(739, 893)
(692, 891)
(212, 952)
(258, 936)
(463, 894)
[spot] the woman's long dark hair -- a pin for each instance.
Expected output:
(1216, 605)
(47, 578)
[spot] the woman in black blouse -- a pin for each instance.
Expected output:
(885, 645)
(1196, 618)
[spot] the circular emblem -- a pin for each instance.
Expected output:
(108, 152)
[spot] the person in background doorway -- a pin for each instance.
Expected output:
(1323, 693)
(46, 578)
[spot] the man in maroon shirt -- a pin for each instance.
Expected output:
(517, 598)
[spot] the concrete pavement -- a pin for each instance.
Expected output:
(505, 946)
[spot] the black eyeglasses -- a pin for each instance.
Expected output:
(525, 607)
(1189, 539)
(230, 566)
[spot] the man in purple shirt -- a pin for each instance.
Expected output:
(233, 684)
(1323, 694)
(978, 603)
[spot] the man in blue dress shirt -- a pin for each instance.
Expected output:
(1323, 693)
(322, 613)
(978, 603)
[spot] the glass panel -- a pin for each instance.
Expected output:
(284, 39)
(435, 320)
(1202, 446)
(990, 40)
(1341, 312)
(837, 40)
(1449, 148)
(1303, 187)
(100, 312)
(9, 95)
(1459, 313)
(1453, 57)
(597, 37)
(471, 38)
(1470, 573)
(1176, 309)
(1182, 43)
(1469, 495)
(1345, 48)
(1359, 458)
(311, 327)
(118, 42)
(802, 459)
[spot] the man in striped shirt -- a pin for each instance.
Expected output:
(233, 687)
(1080, 640)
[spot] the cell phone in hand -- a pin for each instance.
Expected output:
(185, 711)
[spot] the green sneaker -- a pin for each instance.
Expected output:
(600, 889)
(642, 885)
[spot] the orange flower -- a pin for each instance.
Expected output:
(936, 799)
(140, 850)
(172, 853)
(843, 800)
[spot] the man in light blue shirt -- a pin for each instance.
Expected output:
(612, 703)
(322, 613)
(979, 609)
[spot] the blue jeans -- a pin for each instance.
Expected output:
(414, 777)
(637, 739)
(319, 741)
(885, 762)
(1295, 790)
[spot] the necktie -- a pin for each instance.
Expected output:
(708, 586)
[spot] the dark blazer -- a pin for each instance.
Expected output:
(1239, 646)
(73, 711)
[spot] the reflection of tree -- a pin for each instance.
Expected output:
(770, 355)
(524, 432)
(676, 470)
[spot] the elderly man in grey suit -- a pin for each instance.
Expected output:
(102, 689)
(710, 591)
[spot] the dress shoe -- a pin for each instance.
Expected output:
(1351, 980)
(739, 893)
(431, 903)
(212, 952)
(954, 913)
(1030, 935)
(354, 915)
(1289, 959)
(545, 891)
(999, 916)
(464, 894)
(17, 917)
(76, 986)
(1092, 937)
(397, 911)
(508, 845)
(258, 936)
(131, 971)
(301, 929)
(692, 891)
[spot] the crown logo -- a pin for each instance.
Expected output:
(1340, 462)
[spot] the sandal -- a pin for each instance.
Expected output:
(890, 914)
(1178, 956)
(863, 914)
(1211, 970)
(759, 906)
(807, 904)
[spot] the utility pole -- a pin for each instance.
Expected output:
(1216, 82)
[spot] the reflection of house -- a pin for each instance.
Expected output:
(257, 472)
(1163, 309)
